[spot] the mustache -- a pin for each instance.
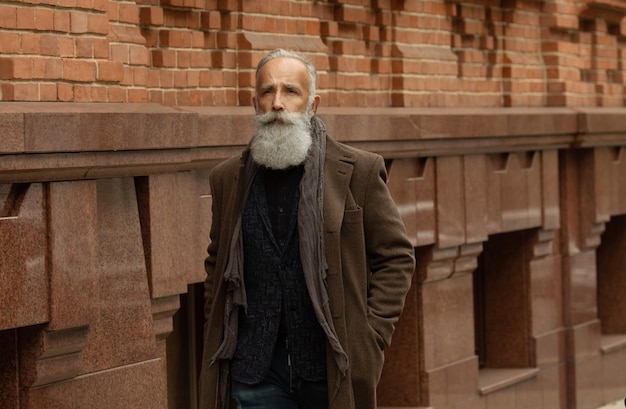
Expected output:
(280, 117)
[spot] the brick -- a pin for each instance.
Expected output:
(113, 11)
(84, 47)
(249, 22)
(38, 68)
(560, 21)
(220, 79)
(175, 18)
(65, 92)
(560, 47)
(193, 78)
(227, 5)
(210, 20)
(169, 98)
(127, 78)
(229, 98)
(175, 38)
(129, 13)
(27, 91)
(79, 22)
(61, 21)
(119, 52)
(83, 4)
(110, 71)
(7, 91)
(351, 14)
(31, 43)
(44, 19)
(98, 24)
(10, 43)
(79, 70)
(155, 96)
(205, 78)
(140, 76)
(227, 40)
(229, 21)
(7, 68)
(117, 94)
(151, 37)
(47, 92)
(26, 18)
(16, 68)
(207, 97)
(8, 16)
(243, 96)
(183, 59)
(195, 98)
(53, 68)
(180, 79)
(138, 55)
(471, 27)
(82, 93)
(255, 7)
(151, 16)
(153, 79)
(99, 94)
(182, 98)
(371, 33)
(137, 95)
(471, 57)
(183, 4)
(197, 39)
(200, 59)
(166, 78)
(66, 46)
(100, 5)
(193, 21)
(471, 11)
(101, 48)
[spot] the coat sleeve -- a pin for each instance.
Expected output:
(390, 255)
(210, 282)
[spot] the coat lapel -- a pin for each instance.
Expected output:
(338, 168)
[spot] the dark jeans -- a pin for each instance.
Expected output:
(281, 390)
(266, 395)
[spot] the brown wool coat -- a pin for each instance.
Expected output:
(370, 264)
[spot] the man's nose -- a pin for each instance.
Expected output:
(277, 103)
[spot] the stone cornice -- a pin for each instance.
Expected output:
(71, 141)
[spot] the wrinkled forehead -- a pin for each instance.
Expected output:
(284, 70)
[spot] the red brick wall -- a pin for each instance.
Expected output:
(375, 53)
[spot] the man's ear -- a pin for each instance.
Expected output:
(254, 102)
(316, 101)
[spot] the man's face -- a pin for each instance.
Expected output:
(283, 85)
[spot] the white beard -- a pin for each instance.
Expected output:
(282, 139)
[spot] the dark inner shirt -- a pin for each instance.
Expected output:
(280, 189)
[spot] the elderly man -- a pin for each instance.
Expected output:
(308, 265)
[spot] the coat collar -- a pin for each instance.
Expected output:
(338, 168)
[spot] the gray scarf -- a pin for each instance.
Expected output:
(312, 254)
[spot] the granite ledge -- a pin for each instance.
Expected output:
(75, 141)
(492, 380)
(612, 343)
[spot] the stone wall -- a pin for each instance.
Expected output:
(516, 214)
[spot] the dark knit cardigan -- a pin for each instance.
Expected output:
(279, 307)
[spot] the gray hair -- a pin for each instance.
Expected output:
(311, 71)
